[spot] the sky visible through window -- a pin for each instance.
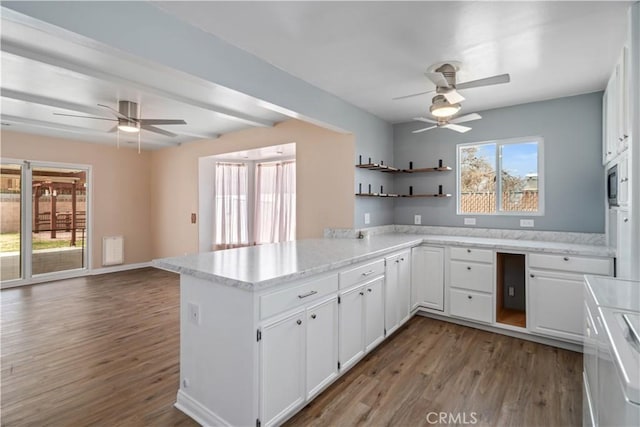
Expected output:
(520, 159)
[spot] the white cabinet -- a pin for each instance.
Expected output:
(556, 293)
(616, 111)
(282, 367)
(361, 320)
(351, 326)
(322, 345)
(470, 273)
(427, 278)
(556, 305)
(623, 180)
(397, 290)
(374, 313)
(623, 244)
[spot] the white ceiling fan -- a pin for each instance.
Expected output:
(443, 75)
(452, 124)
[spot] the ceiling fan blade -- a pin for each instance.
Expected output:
(424, 119)
(424, 129)
(157, 130)
(161, 122)
(453, 96)
(84, 117)
(488, 81)
(115, 112)
(467, 118)
(457, 128)
(412, 95)
(438, 79)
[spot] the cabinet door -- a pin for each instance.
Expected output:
(351, 326)
(623, 244)
(404, 287)
(374, 313)
(556, 305)
(610, 120)
(622, 86)
(623, 180)
(322, 345)
(282, 367)
(427, 277)
(391, 300)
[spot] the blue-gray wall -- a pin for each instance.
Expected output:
(143, 30)
(573, 171)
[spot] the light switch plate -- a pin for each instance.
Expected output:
(526, 223)
(417, 219)
(469, 221)
(367, 218)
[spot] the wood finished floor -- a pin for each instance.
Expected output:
(103, 350)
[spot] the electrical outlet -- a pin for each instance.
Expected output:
(469, 221)
(526, 223)
(417, 219)
(194, 313)
(367, 218)
(512, 292)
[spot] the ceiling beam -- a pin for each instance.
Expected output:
(14, 48)
(75, 129)
(50, 102)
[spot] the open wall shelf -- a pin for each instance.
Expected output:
(378, 167)
(436, 169)
(426, 195)
(391, 195)
(401, 195)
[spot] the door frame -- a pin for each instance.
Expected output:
(26, 224)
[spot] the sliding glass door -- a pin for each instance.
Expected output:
(49, 204)
(11, 222)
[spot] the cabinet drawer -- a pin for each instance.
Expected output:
(472, 254)
(286, 299)
(470, 305)
(361, 273)
(578, 264)
(471, 275)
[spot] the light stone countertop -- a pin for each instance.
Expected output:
(259, 267)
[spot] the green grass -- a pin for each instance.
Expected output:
(10, 242)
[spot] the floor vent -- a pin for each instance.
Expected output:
(112, 250)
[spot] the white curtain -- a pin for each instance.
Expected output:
(275, 202)
(231, 205)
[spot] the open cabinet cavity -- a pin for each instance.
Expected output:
(511, 296)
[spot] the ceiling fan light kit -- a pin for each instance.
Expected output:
(442, 108)
(129, 126)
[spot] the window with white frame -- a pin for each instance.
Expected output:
(501, 177)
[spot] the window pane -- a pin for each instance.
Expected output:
(10, 222)
(519, 177)
(478, 178)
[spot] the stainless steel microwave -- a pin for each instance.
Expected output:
(612, 185)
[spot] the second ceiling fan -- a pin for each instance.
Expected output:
(452, 124)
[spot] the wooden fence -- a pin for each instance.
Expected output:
(518, 201)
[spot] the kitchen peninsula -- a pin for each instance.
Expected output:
(264, 329)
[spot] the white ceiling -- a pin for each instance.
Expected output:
(370, 52)
(46, 70)
(363, 52)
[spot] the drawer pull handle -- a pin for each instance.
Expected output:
(308, 294)
(469, 296)
(368, 273)
(468, 268)
(566, 258)
(299, 322)
(401, 259)
(313, 316)
(468, 251)
(369, 290)
(532, 275)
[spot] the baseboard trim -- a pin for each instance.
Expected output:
(198, 412)
(122, 267)
(503, 331)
